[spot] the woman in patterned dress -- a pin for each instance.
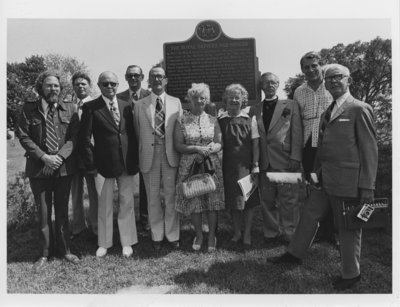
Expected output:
(197, 135)
(240, 158)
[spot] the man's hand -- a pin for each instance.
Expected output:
(47, 171)
(293, 165)
(366, 195)
(52, 161)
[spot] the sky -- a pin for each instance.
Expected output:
(111, 34)
(113, 44)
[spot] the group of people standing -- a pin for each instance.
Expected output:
(109, 139)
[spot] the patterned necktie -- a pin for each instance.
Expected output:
(327, 116)
(51, 136)
(135, 97)
(160, 118)
(114, 112)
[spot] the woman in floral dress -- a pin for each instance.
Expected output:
(197, 135)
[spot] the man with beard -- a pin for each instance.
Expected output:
(134, 76)
(81, 85)
(47, 130)
(110, 121)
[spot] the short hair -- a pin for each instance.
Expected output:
(233, 88)
(159, 65)
(40, 80)
(311, 56)
(269, 74)
(345, 70)
(81, 75)
(198, 89)
(133, 66)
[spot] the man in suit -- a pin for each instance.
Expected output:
(47, 130)
(81, 85)
(114, 154)
(313, 99)
(347, 161)
(155, 117)
(281, 143)
(134, 76)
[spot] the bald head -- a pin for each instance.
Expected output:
(108, 84)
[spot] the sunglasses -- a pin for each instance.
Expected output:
(106, 84)
(136, 76)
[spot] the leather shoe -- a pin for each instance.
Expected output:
(127, 251)
(286, 258)
(345, 283)
(174, 244)
(38, 265)
(101, 252)
(71, 258)
(157, 245)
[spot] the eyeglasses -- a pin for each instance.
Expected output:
(335, 78)
(161, 77)
(106, 84)
(136, 76)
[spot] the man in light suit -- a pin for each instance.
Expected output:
(347, 161)
(110, 121)
(154, 118)
(134, 76)
(281, 144)
(81, 84)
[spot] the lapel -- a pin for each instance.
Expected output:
(341, 109)
(259, 110)
(149, 110)
(280, 105)
(105, 112)
(168, 110)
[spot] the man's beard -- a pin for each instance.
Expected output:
(51, 98)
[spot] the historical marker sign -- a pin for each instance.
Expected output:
(211, 57)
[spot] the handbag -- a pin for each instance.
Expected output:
(375, 214)
(201, 179)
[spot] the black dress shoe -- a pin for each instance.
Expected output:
(345, 283)
(175, 244)
(38, 265)
(157, 245)
(286, 258)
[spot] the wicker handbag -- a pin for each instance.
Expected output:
(200, 181)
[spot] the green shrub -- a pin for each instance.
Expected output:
(21, 209)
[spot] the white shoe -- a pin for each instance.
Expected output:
(101, 252)
(127, 251)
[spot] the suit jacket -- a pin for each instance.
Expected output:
(115, 147)
(284, 139)
(125, 95)
(347, 154)
(144, 127)
(31, 131)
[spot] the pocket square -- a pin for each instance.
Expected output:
(344, 119)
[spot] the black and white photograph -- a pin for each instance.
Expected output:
(132, 129)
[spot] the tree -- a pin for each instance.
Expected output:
(370, 64)
(292, 84)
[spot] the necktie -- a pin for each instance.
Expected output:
(160, 118)
(80, 104)
(114, 112)
(327, 116)
(51, 136)
(135, 96)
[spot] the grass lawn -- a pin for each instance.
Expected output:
(228, 271)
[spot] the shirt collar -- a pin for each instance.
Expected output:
(241, 114)
(86, 99)
(271, 99)
(107, 100)
(342, 99)
(131, 93)
(154, 97)
(43, 105)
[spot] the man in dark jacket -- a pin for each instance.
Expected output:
(115, 155)
(47, 130)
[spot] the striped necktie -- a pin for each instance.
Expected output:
(160, 118)
(327, 116)
(135, 97)
(51, 136)
(114, 112)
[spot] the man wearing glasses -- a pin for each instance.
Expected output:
(154, 119)
(110, 121)
(347, 161)
(313, 99)
(134, 76)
